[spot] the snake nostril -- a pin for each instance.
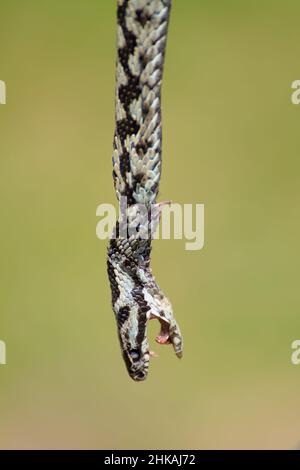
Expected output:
(140, 375)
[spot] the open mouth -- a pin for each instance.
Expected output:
(164, 336)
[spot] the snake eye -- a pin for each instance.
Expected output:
(135, 354)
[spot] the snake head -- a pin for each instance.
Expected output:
(132, 327)
(136, 354)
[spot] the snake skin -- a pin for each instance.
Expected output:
(136, 298)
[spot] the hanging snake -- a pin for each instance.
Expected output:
(142, 27)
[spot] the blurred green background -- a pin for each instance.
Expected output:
(231, 141)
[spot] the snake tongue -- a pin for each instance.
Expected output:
(164, 335)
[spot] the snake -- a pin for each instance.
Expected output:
(142, 27)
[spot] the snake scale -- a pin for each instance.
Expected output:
(142, 27)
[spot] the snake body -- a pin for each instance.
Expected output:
(142, 27)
